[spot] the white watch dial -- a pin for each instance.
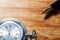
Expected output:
(11, 31)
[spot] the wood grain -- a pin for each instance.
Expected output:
(29, 12)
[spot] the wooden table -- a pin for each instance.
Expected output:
(29, 12)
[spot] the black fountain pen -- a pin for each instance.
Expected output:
(53, 9)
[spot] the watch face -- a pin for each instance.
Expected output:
(10, 30)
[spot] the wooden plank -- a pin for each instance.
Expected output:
(29, 12)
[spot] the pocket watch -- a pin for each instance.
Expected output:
(12, 29)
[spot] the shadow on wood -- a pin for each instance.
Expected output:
(52, 10)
